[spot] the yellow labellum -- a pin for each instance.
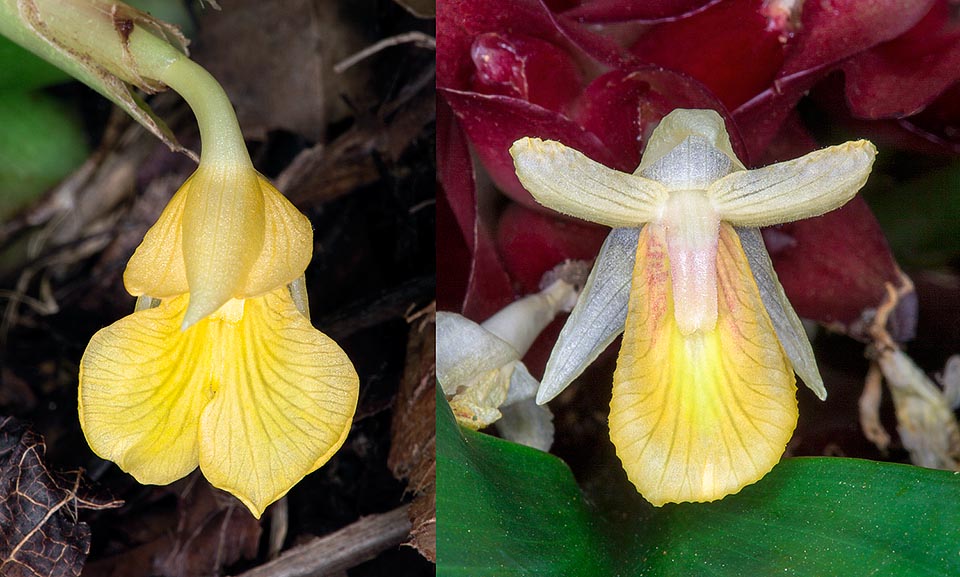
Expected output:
(253, 394)
(695, 417)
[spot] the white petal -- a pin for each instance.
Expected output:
(527, 423)
(802, 188)
(598, 317)
(466, 350)
(565, 180)
(523, 385)
(785, 321)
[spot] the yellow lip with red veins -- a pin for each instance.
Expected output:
(704, 395)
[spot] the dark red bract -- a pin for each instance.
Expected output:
(598, 75)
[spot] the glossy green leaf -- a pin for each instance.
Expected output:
(810, 517)
(504, 509)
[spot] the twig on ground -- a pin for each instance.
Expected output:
(416, 38)
(346, 548)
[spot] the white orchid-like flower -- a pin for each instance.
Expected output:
(479, 366)
(704, 395)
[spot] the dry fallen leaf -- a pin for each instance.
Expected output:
(39, 530)
(211, 531)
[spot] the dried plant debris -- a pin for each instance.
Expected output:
(211, 531)
(40, 533)
(413, 454)
(925, 419)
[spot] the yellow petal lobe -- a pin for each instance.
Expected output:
(287, 244)
(285, 398)
(697, 417)
(156, 267)
(143, 385)
(223, 231)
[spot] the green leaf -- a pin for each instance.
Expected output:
(811, 517)
(41, 141)
(504, 509)
(21, 70)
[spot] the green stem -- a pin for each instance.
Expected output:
(220, 133)
(119, 44)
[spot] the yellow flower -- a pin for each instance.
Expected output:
(218, 366)
(704, 395)
(226, 372)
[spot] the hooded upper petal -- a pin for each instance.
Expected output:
(697, 417)
(680, 125)
(223, 231)
(244, 238)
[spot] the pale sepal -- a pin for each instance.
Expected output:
(285, 395)
(567, 181)
(680, 124)
(697, 417)
(805, 187)
(598, 316)
(224, 226)
(785, 321)
(143, 385)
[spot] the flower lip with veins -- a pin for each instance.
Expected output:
(226, 372)
(704, 397)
